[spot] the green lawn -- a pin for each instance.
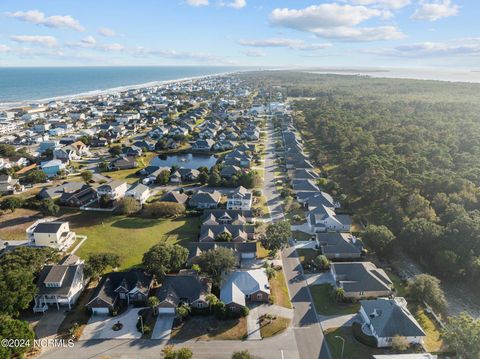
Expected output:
(279, 290)
(325, 305)
(274, 327)
(353, 348)
(399, 284)
(129, 237)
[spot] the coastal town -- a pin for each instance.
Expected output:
(191, 216)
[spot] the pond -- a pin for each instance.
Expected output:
(187, 160)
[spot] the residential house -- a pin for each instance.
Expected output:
(80, 197)
(140, 192)
(340, 246)
(203, 145)
(132, 151)
(123, 163)
(175, 197)
(406, 356)
(120, 288)
(323, 219)
(185, 287)
(238, 233)
(57, 191)
(114, 190)
(205, 200)
(54, 234)
(385, 319)
(240, 199)
(229, 171)
(59, 284)
(9, 185)
(53, 167)
(361, 280)
(242, 287)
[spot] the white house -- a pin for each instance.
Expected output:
(386, 318)
(59, 284)
(240, 199)
(48, 233)
(140, 192)
(323, 219)
(114, 190)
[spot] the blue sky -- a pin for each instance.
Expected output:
(395, 33)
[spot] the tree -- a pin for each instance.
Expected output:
(459, 334)
(153, 303)
(36, 176)
(426, 288)
(224, 237)
(214, 179)
(270, 272)
(86, 176)
(164, 209)
(399, 344)
(276, 236)
(244, 354)
(169, 352)
(48, 207)
(104, 201)
(163, 177)
(182, 312)
(16, 290)
(15, 329)
(217, 261)
(97, 263)
(11, 203)
(163, 258)
(115, 150)
(203, 177)
(378, 238)
(129, 205)
(322, 262)
(338, 294)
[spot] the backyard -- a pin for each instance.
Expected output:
(129, 237)
(326, 305)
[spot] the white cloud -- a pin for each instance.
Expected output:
(197, 2)
(236, 4)
(89, 40)
(254, 53)
(282, 42)
(39, 18)
(335, 21)
(317, 17)
(468, 46)
(361, 33)
(48, 41)
(4, 48)
(384, 4)
(435, 10)
(105, 31)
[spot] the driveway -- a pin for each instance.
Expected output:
(253, 325)
(163, 327)
(100, 327)
(319, 278)
(49, 322)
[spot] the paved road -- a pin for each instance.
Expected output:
(278, 347)
(308, 333)
(274, 201)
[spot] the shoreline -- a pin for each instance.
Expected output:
(93, 93)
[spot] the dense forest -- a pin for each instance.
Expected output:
(405, 152)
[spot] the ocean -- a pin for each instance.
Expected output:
(23, 84)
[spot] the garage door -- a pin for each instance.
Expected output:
(100, 311)
(166, 310)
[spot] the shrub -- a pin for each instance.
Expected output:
(129, 205)
(164, 209)
(244, 354)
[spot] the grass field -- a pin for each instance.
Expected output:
(325, 305)
(274, 327)
(129, 237)
(13, 225)
(279, 290)
(432, 341)
(210, 328)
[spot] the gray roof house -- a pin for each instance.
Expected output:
(361, 280)
(386, 318)
(241, 287)
(175, 197)
(185, 287)
(336, 245)
(205, 200)
(323, 219)
(304, 185)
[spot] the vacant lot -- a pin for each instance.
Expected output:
(129, 237)
(210, 328)
(13, 225)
